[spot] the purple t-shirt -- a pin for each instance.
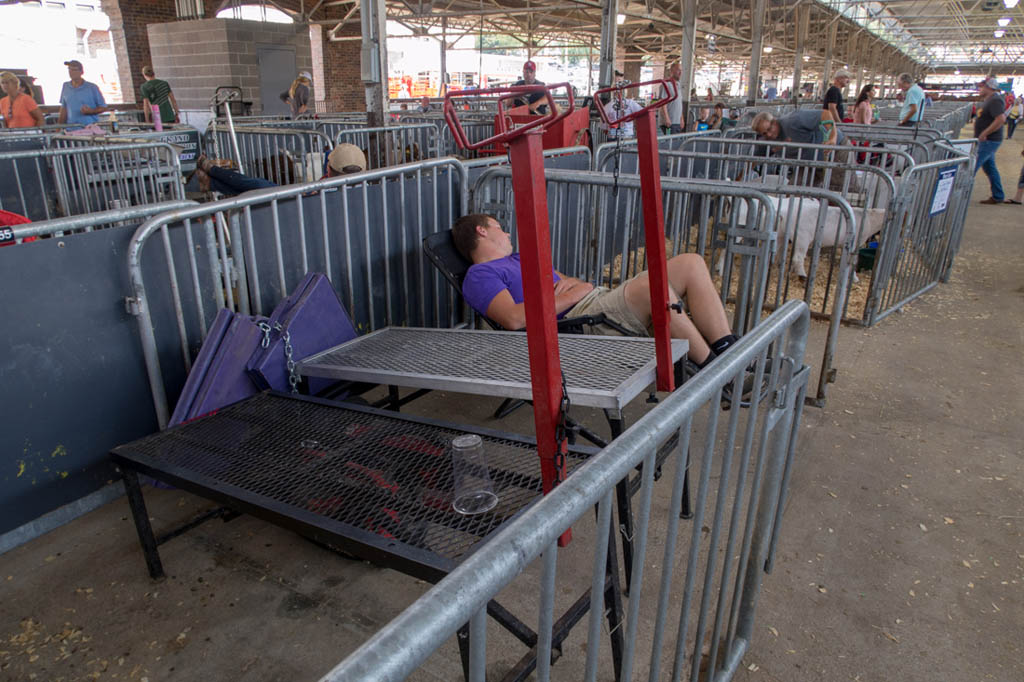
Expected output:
(484, 281)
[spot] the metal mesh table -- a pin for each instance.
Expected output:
(600, 371)
(375, 483)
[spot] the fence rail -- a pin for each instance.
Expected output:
(393, 145)
(282, 155)
(43, 184)
(363, 231)
(693, 591)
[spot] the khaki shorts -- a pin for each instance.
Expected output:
(611, 302)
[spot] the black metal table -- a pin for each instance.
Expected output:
(606, 372)
(373, 483)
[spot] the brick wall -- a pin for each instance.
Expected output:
(130, 21)
(343, 88)
(198, 56)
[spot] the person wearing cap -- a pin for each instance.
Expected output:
(344, 159)
(988, 128)
(157, 93)
(912, 111)
(18, 109)
(81, 102)
(297, 96)
(535, 100)
(834, 96)
(424, 105)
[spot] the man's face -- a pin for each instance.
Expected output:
(905, 86)
(75, 72)
(425, 101)
(498, 237)
(842, 82)
(676, 72)
(529, 75)
(770, 130)
(985, 91)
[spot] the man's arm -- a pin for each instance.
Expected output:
(830, 125)
(834, 111)
(996, 124)
(910, 116)
(177, 111)
(62, 117)
(511, 315)
(147, 109)
(37, 116)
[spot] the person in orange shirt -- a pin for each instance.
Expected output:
(18, 109)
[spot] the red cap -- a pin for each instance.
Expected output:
(529, 65)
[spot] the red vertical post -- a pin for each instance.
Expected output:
(531, 202)
(654, 237)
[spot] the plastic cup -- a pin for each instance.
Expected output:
(473, 490)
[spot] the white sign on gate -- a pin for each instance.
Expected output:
(943, 189)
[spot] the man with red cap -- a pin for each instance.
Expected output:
(536, 100)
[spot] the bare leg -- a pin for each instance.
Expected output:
(688, 277)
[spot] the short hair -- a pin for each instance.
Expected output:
(464, 232)
(842, 73)
(905, 78)
(148, 71)
(763, 117)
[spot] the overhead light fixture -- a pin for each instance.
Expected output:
(768, 49)
(999, 33)
(620, 19)
(807, 57)
(1005, 21)
(1010, 4)
(957, 72)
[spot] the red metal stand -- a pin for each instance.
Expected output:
(531, 203)
(654, 221)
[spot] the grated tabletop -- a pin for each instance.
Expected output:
(379, 478)
(600, 371)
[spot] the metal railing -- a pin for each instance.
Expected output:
(694, 589)
(918, 248)
(392, 145)
(282, 155)
(363, 231)
(607, 150)
(50, 183)
(59, 227)
(597, 230)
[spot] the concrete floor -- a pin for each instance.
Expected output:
(901, 557)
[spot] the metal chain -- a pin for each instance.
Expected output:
(560, 429)
(289, 361)
(618, 157)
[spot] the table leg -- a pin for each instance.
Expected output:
(625, 504)
(613, 605)
(141, 517)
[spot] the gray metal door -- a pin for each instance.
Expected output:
(277, 71)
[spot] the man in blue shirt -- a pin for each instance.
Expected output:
(80, 101)
(913, 101)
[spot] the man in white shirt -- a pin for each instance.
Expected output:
(618, 107)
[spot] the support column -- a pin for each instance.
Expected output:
(374, 60)
(803, 19)
(443, 88)
(757, 29)
(609, 29)
(687, 53)
(830, 49)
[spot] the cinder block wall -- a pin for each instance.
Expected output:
(198, 56)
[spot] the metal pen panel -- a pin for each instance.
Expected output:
(364, 231)
(504, 567)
